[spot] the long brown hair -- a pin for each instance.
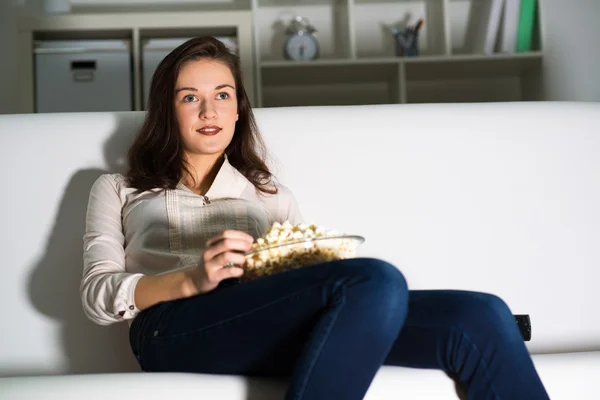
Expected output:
(156, 155)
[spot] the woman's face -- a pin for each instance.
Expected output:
(205, 107)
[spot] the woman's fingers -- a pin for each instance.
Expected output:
(230, 234)
(216, 269)
(224, 255)
(225, 246)
(226, 273)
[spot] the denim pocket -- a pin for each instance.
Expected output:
(154, 321)
(145, 326)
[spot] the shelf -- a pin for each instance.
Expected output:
(373, 21)
(475, 57)
(299, 74)
(444, 71)
(356, 64)
(464, 20)
(322, 63)
(119, 6)
(136, 27)
(472, 66)
(329, 17)
(294, 3)
(458, 78)
(469, 90)
(330, 84)
(509, 63)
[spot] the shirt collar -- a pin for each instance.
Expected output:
(229, 183)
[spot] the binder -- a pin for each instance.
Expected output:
(489, 15)
(510, 26)
(527, 16)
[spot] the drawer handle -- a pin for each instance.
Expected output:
(78, 65)
(83, 76)
(83, 70)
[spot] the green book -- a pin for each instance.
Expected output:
(526, 23)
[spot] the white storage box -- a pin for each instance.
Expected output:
(83, 76)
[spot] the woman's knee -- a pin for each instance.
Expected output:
(384, 280)
(484, 314)
(385, 273)
(375, 270)
(488, 305)
(380, 289)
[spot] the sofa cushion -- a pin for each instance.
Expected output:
(566, 376)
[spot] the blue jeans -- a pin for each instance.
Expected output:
(331, 326)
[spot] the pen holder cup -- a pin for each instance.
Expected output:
(407, 43)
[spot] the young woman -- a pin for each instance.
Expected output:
(161, 240)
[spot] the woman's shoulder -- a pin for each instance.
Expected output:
(111, 185)
(110, 180)
(283, 191)
(285, 205)
(274, 191)
(281, 204)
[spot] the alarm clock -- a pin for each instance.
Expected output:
(302, 44)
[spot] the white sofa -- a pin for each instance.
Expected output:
(501, 198)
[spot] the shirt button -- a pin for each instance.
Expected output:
(131, 307)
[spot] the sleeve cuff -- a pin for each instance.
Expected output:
(125, 301)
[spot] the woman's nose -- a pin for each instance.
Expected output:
(207, 110)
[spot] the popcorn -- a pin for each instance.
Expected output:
(294, 248)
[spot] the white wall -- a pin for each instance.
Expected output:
(571, 30)
(10, 10)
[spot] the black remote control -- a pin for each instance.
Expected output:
(524, 323)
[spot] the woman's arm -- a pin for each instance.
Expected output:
(226, 248)
(110, 294)
(151, 290)
(107, 290)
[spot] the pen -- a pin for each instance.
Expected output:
(419, 24)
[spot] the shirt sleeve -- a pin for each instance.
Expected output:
(107, 290)
(288, 207)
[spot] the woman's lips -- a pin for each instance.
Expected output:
(210, 130)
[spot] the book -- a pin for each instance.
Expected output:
(527, 17)
(488, 14)
(510, 26)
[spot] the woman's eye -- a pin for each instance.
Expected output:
(223, 95)
(189, 98)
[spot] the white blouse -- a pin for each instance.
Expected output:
(130, 235)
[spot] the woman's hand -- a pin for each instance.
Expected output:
(222, 259)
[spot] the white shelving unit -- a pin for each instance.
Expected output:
(136, 28)
(361, 68)
(357, 64)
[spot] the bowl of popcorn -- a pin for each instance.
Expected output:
(286, 246)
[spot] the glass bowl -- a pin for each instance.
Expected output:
(269, 260)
